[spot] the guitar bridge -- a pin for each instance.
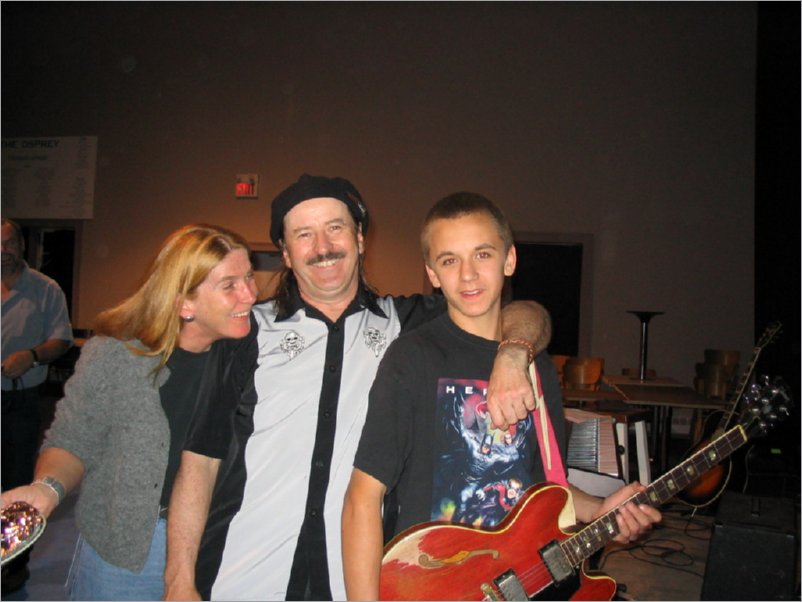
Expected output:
(556, 562)
(490, 594)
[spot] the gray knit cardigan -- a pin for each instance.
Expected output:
(111, 418)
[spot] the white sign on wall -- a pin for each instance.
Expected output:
(49, 178)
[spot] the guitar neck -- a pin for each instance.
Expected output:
(600, 532)
(772, 330)
(739, 391)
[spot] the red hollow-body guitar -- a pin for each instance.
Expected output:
(528, 556)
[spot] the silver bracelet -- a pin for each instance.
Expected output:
(55, 485)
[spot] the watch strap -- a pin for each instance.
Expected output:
(55, 485)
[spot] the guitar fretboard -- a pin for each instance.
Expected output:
(739, 391)
(600, 532)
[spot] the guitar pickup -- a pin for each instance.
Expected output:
(510, 587)
(556, 562)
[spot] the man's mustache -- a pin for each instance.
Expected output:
(330, 256)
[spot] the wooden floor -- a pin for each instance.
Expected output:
(669, 564)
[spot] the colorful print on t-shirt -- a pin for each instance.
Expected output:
(480, 471)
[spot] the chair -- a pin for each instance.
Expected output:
(559, 363)
(583, 372)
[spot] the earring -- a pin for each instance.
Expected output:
(188, 318)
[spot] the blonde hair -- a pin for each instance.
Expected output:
(151, 313)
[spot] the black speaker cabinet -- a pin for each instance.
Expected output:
(753, 550)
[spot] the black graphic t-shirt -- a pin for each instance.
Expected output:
(429, 436)
(479, 471)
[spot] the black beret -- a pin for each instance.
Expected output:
(314, 187)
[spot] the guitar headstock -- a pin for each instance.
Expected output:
(766, 403)
(772, 331)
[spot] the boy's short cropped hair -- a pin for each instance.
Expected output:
(465, 203)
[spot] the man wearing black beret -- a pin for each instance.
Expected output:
(301, 393)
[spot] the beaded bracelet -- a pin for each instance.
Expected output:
(523, 342)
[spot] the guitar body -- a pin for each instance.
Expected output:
(709, 486)
(459, 562)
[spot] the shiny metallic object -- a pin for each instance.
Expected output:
(22, 525)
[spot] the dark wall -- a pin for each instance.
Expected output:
(778, 200)
(629, 125)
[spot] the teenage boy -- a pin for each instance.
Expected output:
(427, 434)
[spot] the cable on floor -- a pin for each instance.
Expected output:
(671, 554)
(679, 514)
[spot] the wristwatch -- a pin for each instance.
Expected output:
(36, 363)
(55, 485)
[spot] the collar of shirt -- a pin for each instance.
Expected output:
(365, 299)
(24, 278)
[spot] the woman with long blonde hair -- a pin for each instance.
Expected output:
(125, 413)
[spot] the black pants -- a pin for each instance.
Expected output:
(20, 431)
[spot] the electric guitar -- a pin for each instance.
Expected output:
(527, 555)
(707, 488)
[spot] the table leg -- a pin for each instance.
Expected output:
(622, 436)
(642, 449)
(658, 445)
(655, 440)
(665, 436)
